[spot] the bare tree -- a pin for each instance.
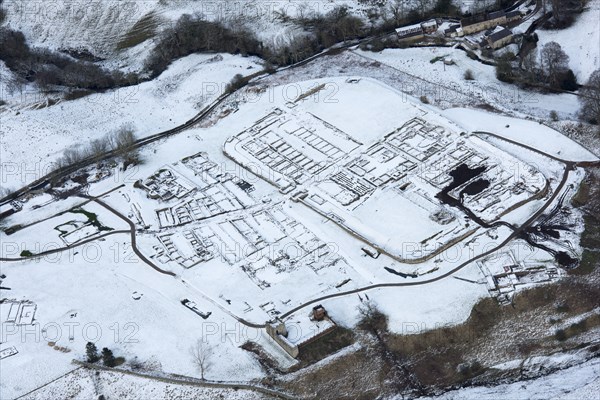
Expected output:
(423, 5)
(397, 11)
(123, 137)
(554, 61)
(99, 146)
(590, 98)
(202, 354)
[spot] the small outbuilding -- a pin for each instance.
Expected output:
(500, 38)
(319, 313)
(430, 26)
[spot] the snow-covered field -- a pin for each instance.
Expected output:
(268, 251)
(529, 133)
(450, 85)
(103, 291)
(83, 384)
(189, 85)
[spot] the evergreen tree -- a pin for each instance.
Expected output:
(108, 358)
(569, 82)
(91, 352)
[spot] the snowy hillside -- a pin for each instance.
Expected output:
(112, 29)
(168, 101)
(581, 382)
(581, 41)
(203, 211)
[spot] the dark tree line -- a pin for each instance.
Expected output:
(564, 12)
(192, 34)
(338, 25)
(547, 68)
(590, 99)
(49, 68)
(324, 30)
(107, 356)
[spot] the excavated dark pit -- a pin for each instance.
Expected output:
(475, 187)
(461, 174)
(565, 260)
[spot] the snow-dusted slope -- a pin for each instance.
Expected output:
(99, 26)
(581, 41)
(581, 382)
(189, 84)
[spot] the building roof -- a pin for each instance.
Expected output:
(496, 14)
(501, 34)
(408, 28)
(472, 20)
(414, 31)
(478, 18)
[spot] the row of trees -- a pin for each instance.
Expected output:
(107, 356)
(549, 67)
(49, 68)
(589, 96)
(121, 142)
(192, 34)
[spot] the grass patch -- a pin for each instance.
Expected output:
(326, 345)
(590, 238)
(26, 253)
(440, 357)
(12, 229)
(92, 219)
(590, 259)
(438, 58)
(141, 31)
(582, 196)
(577, 328)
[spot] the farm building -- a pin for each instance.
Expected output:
(499, 38)
(513, 16)
(453, 31)
(411, 32)
(481, 22)
(429, 26)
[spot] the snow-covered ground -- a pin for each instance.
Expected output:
(103, 291)
(83, 384)
(104, 288)
(450, 85)
(189, 85)
(87, 294)
(529, 133)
